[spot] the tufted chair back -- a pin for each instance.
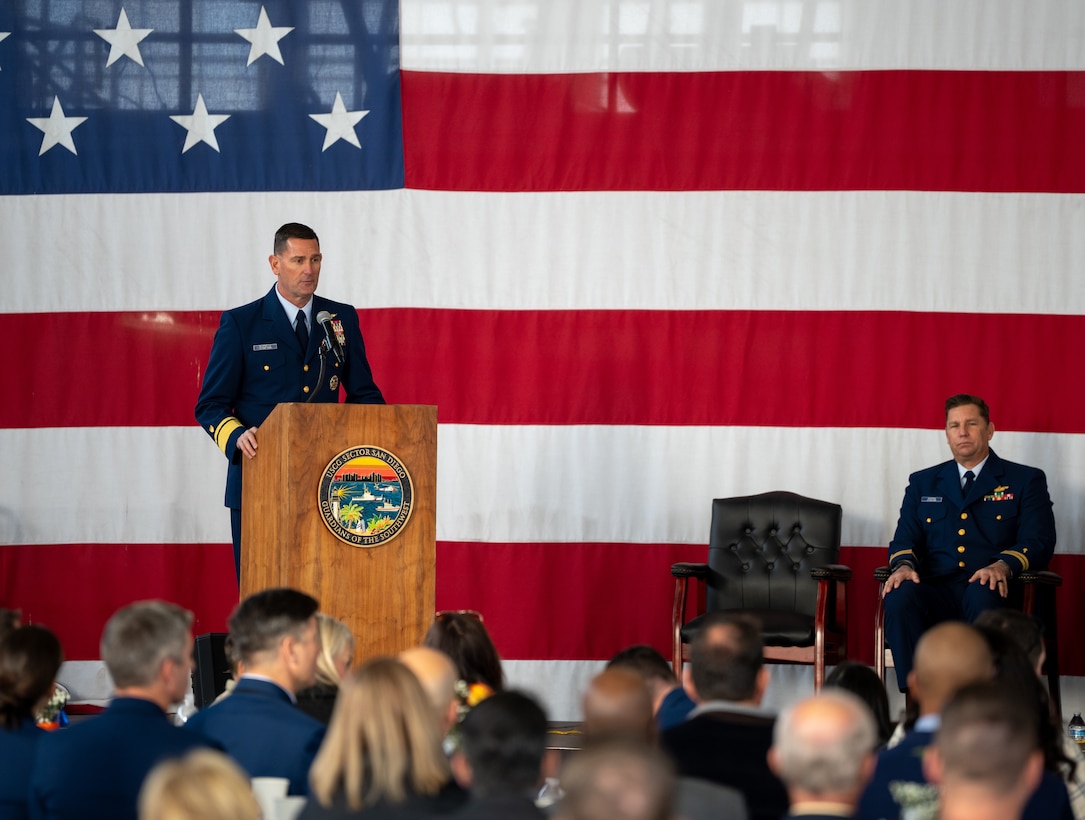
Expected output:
(762, 547)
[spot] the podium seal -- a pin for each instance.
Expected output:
(366, 496)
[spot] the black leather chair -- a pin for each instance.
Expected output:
(773, 555)
(1038, 599)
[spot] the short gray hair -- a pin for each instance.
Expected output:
(140, 636)
(822, 761)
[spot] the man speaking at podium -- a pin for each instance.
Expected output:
(266, 353)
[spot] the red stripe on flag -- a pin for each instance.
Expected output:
(757, 368)
(74, 588)
(747, 130)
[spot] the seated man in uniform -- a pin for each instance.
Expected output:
(966, 528)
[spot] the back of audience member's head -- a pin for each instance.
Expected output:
(863, 682)
(336, 650)
(262, 620)
(948, 656)
(30, 657)
(617, 703)
(824, 745)
(504, 743)
(202, 785)
(726, 658)
(140, 637)
(646, 661)
(438, 675)
(987, 744)
(383, 742)
(618, 779)
(463, 637)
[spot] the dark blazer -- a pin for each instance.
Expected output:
(730, 748)
(500, 808)
(256, 363)
(415, 807)
(17, 749)
(318, 701)
(899, 782)
(261, 728)
(95, 768)
(1007, 515)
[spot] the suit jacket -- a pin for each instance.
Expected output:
(898, 783)
(17, 749)
(729, 748)
(500, 808)
(261, 728)
(256, 363)
(1007, 515)
(696, 799)
(415, 807)
(95, 768)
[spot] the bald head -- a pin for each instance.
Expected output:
(617, 702)
(947, 657)
(437, 674)
(823, 746)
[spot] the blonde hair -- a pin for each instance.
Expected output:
(383, 741)
(202, 785)
(334, 635)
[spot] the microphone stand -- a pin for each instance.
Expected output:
(323, 351)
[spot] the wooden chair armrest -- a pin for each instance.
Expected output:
(688, 570)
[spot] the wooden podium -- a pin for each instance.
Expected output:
(384, 593)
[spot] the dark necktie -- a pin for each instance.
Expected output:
(969, 477)
(302, 331)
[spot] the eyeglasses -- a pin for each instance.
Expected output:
(470, 613)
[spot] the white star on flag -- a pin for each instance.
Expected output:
(3, 36)
(264, 38)
(123, 40)
(57, 128)
(340, 124)
(201, 125)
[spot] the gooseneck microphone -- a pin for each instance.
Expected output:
(324, 319)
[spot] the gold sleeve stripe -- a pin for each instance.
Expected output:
(225, 430)
(897, 555)
(1020, 556)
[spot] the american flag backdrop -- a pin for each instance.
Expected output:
(639, 253)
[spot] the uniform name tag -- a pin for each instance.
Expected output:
(937, 499)
(272, 346)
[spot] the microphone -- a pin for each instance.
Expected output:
(324, 319)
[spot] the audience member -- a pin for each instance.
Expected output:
(863, 682)
(463, 637)
(29, 659)
(823, 749)
(727, 737)
(332, 664)
(202, 785)
(948, 656)
(503, 756)
(985, 756)
(382, 757)
(274, 633)
(617, 704)
(95, 768)
(619, 779)
(671, 704)
(1027, 633)
(438, 675)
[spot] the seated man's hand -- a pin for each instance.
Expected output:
(996, 576)
(905, 572)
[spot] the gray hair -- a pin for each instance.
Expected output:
(140, 637)
(820, 759)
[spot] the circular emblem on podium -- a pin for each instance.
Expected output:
(366, 496)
